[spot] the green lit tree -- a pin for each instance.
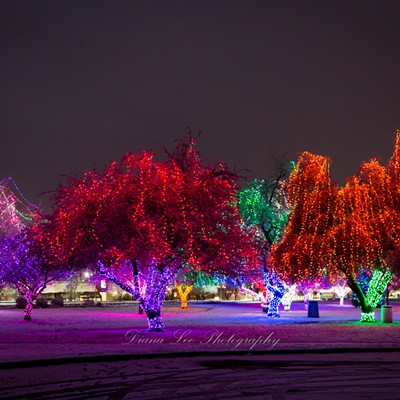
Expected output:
(263, 206)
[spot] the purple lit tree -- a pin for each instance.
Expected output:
(23, 265)
(21, 262)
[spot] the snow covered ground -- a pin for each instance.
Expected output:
(334, 376)
(73, 332)
(220, 351)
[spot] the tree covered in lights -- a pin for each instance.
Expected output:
(364, 235)
(22, 261)
(340, 288)
(392, 245)
(23, 265)
(140, 220)
(334, 233)
(15, 210)
(264, 207)
(300, 257)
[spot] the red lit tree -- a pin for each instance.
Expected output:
(141, 220)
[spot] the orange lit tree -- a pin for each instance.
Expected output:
(366, 229)
(363, 232)
(392, 216)
(334, 233)
(301, 255)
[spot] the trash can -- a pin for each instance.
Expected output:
(313, 309)
(386, 314)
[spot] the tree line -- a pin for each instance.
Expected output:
(141, 222)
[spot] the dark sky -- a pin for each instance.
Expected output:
(82, 82)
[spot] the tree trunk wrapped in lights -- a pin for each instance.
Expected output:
(183, 294)
(290, 291)
(305, 289)
(376, 289)
(306, 296)
(147, 284)
(341, 291)
(29, 297)
(277, 289)
(152, 302)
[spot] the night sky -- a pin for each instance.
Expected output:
(82, 82)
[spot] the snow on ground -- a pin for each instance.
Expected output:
(209, 351)
(74, 332)
(266, 377)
